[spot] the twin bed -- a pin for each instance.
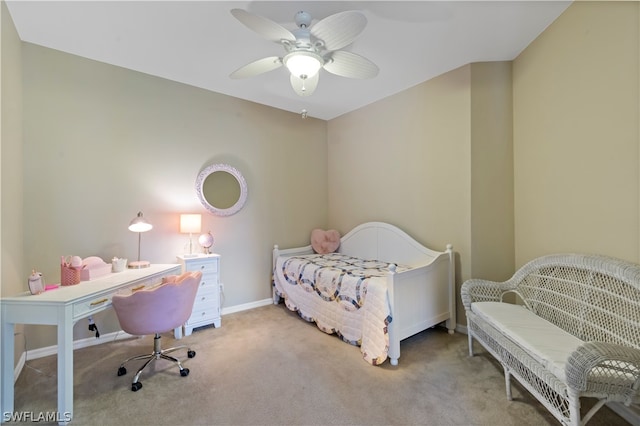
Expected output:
(379, 287)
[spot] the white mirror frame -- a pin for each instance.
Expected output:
(232, 171)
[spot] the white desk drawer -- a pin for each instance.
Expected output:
(85, 308)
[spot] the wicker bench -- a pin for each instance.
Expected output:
(573, 332)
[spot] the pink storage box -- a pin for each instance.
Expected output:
(94, 267)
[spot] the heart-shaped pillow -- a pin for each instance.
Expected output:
(324, 242)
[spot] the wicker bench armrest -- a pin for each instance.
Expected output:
(605, 367)
(477, 290)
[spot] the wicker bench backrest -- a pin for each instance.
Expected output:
(595, 298)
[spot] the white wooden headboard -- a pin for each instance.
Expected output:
(387, 243)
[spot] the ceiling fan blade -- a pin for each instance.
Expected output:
(339, 30)
(257, 67)
(263, 26)
(347, 64)
(304, 87)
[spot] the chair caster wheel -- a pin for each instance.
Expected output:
(122, 371)
(135, 387)
(191, 353)
(184, 372)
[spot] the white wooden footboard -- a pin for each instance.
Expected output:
(421, 297)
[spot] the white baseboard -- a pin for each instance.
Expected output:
(121, 335)
(623, 411)
(461, 328)
(246, 306)
(111, 337)
(78, 344)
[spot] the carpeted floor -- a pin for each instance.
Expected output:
(267, 366)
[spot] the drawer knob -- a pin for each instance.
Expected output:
(98, 302)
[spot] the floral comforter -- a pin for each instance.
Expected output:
(342, 295)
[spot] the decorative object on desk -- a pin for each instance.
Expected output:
(36, 282)
(70, 270)
(118, 265)
(76, 262)
(93, 267)
(190, 223)
(139, 224)
(206, 241)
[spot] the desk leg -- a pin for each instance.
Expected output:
(65, 365)
(6, 374)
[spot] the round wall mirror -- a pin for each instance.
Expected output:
(221, 189)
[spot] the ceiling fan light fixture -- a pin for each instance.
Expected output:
(303, 64)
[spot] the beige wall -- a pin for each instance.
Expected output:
(13, 277)
(435, 160)
(102, 142)
(405, 160)
(492, 219)
(507, 164)
(13, 269)
(576, 138)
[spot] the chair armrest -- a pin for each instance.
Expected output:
(477, 290)
(604, 368)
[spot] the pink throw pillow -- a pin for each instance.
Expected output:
(324, 242)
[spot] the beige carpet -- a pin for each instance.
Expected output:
(267, 366)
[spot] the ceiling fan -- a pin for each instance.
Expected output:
(309, 48)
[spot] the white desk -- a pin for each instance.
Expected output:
(64, 307)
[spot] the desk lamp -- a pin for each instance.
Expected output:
(190, 223)
(139, 225)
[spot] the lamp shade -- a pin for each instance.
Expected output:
(301, 64)
(190, 223)
(140, 224)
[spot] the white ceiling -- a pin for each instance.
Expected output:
(200, 43)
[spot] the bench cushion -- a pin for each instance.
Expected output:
(546, 343)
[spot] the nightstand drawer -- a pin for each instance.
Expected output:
(208, 280)
(206, 297)
(202, 316)
(206, 306)
(206, 266)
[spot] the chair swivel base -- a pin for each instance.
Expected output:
(157, 353)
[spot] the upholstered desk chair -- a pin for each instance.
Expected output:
(155, 310)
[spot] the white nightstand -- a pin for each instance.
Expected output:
(206, 309)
